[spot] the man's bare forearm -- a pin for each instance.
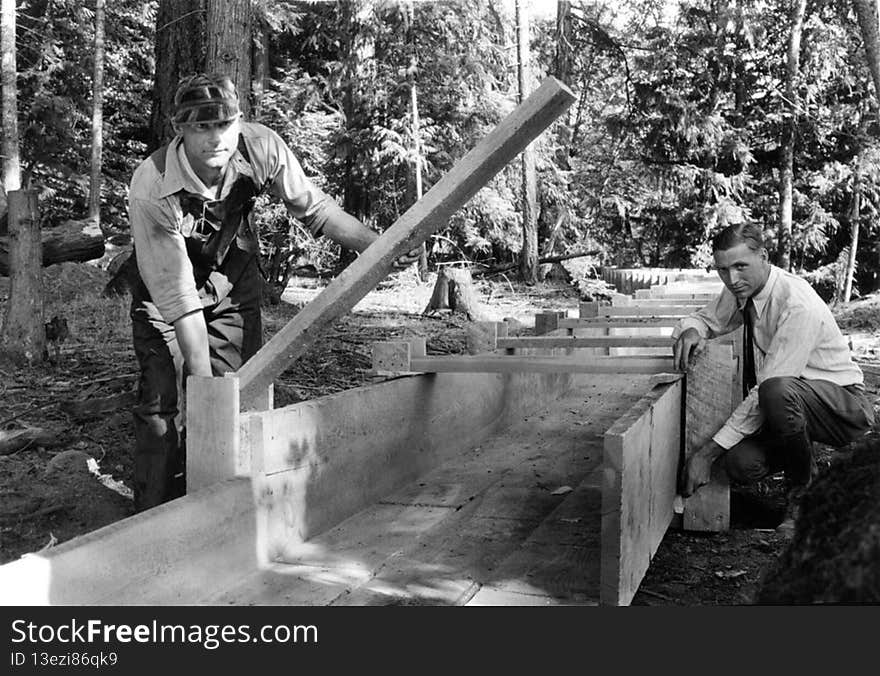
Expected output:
(192, 337)
(347, 231)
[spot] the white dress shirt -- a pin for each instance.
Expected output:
(795, 334)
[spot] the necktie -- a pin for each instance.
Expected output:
(749, 377)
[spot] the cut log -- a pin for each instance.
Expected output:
(13, 441)
(82, 409)
(454, 291)
(71, 241)
(541, 261)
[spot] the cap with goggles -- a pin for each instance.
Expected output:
(205, 98)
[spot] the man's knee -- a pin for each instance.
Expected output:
(774, 392)
(745, 463)
(779, 401)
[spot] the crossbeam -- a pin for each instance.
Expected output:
(433, 211)
(515, 364)
(651, 311)
(594, 341)
(618, 322)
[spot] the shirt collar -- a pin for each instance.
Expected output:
(179, 175)
(760, 299)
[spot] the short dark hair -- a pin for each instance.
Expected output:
(742, 233)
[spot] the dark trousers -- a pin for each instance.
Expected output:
(798, 412)
(234, 335)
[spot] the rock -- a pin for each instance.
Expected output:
(68, 463)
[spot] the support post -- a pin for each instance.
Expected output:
(394, 357)
(212, 430)
(483, 336)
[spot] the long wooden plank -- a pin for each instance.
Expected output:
(617, 322)
(517, 364)
(639, 311)
(588, 341)
(450, 193)
(627, 301)
(656, 294)
(642, 452)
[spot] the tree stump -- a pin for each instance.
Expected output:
(24, 334)
(454, 291)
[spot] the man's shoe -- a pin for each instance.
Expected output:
(792, 511)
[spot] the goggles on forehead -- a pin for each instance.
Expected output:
(205, 100)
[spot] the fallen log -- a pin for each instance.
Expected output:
(81, 409)
(71, 241)
(13, 441)
(541, 261)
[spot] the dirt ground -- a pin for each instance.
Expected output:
(80, 478)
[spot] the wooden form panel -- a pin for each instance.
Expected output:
(318, 462)
(641, 457)
(171, 554)
(708, 404)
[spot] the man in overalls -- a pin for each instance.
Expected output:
(196, 305)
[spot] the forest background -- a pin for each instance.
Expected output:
(689, 116)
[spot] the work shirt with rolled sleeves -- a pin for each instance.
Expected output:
(161, 228)
(795, 334)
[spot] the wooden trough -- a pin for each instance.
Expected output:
(447, 488)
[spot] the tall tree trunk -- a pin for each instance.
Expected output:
(358, 79)
(230, 46)
(8, 72)
(528, 260)
(562, 61)
(416, 127)
(261, 57)
(786, 161)
(868, 14)
(417, 152)
(856, 217)
(97, 116)
(24, 334)
(194, 36)
(181, 48)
